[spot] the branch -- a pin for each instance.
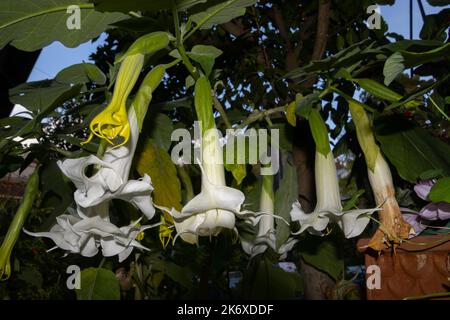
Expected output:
(320, 43)
(291, 60)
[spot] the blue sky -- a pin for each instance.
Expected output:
(56, 57)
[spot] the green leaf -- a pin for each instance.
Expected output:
(417, 94)
(221, 13)
(267, 281)
(57, 194)
(143, 5)
(344, 58)
(161, 130)
(305, 104)
(205, 56)
(239, 171)
(81, 73)
(30, 25)
(323, 253)
(286, 194)
(398, 61)
(147, 44)
(10, 126)
(98, 284)
(440, 190)
(156, 162)
(383, 92)
(351, 204)
(393, 66)
(319, 132)
(412, 150)
(203, 104)
(40, 96)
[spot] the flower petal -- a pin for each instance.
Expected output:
(314, 222)
(423, 188)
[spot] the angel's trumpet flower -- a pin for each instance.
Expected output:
(112, 122)
(265, 223)
(88, 229)
(215, 207)
(328, 207)
(393, 227)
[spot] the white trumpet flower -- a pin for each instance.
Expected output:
(217, 205)
(329, 208)
(88, 228)
(110, 181)
(86, 235)
(265, 223)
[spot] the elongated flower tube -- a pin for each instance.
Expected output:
(393, 227)
(112, 122)
(328, 208)
(265, 236)
(13, 233)
(216, 206)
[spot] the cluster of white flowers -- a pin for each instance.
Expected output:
(88, 228)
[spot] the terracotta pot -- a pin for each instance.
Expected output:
(416, 269)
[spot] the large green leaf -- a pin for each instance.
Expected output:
(221, 13)
(98, 284)
(441, 190)
(412, 150)
(40, 96)
(401, 60)
(30, 25)
(286, 194)
(140, 5)
(161, 130)
(81, 73)
(324, 253)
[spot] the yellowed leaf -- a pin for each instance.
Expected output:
(156, 162)
(290, 114)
